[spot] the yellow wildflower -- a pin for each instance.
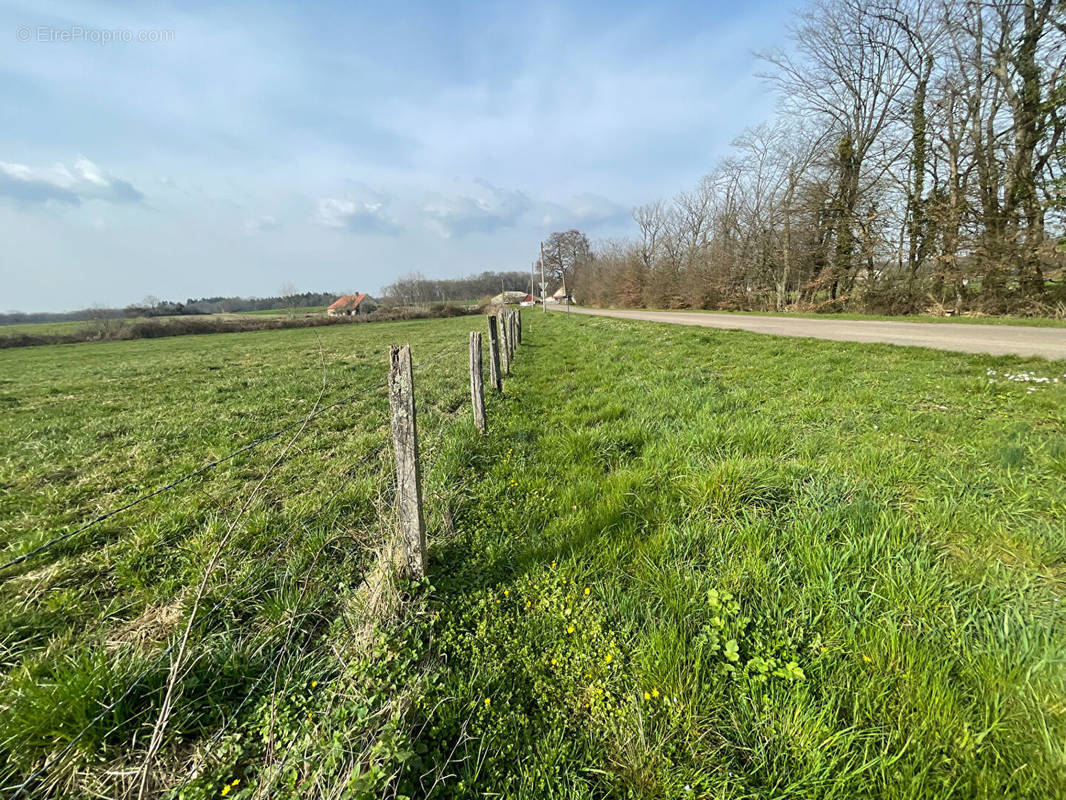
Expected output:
(554, 662)
(488, 702)
(654, 692)
(226, 790)
(867, 659)
(607, 659)
(587, 590)
(506, 592)
(569, 628)
(235, 782)
(314, 684)
(647, 696)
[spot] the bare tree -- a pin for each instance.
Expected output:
(566, 253)
(846, 71)
(920, 159)
(289, 295)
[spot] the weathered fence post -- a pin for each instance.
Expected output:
(494, 356)
(518, 322)
(505, 346)
(510, 336)
(408, 472)
(477, 392)
(514, 333)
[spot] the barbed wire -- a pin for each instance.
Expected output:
(252, 445)
(192, 774)
(264, 563)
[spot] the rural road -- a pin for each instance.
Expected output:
(966, 338)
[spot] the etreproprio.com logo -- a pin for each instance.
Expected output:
(51, 34)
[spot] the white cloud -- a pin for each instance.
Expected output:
(367, 214)
(493, 208)
(584, 211)
(64, 185)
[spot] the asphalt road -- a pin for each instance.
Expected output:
(966, 338)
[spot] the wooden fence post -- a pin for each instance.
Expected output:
(505, 346)
(510, 336)
(408, 472)
(477, 392)
(494, 356)
(514, 333)
(518, 322)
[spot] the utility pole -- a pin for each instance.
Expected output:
(543, 285)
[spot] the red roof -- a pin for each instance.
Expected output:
(348, 301)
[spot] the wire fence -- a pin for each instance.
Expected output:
(205, 623)
(173, 484)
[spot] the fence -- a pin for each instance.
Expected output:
(505, 334)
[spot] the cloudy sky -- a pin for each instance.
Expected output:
(242, 146)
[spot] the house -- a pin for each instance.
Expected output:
(559, 296)
(529, 300)
(351, 305)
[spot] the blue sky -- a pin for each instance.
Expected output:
(336, 146)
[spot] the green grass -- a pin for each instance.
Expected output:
(72, 326)
(279, 312)
(89, 427)
(42, 328)
(1029, 322)
(683, 563)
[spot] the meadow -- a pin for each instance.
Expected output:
(682, 563)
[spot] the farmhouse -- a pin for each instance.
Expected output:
(352, 304)
(559, 296)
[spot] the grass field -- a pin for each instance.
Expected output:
(1028, 322)
(39, 328)
(72, 326)
(683, 563)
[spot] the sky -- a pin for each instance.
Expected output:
(203, 149)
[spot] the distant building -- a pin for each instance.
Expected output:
(559, 296)
(352, 304)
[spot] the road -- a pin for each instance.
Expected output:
(966, 338)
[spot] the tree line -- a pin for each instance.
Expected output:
(415, 289)
(154, 307)
(916, 162)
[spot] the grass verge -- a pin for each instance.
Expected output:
(1028, 322)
